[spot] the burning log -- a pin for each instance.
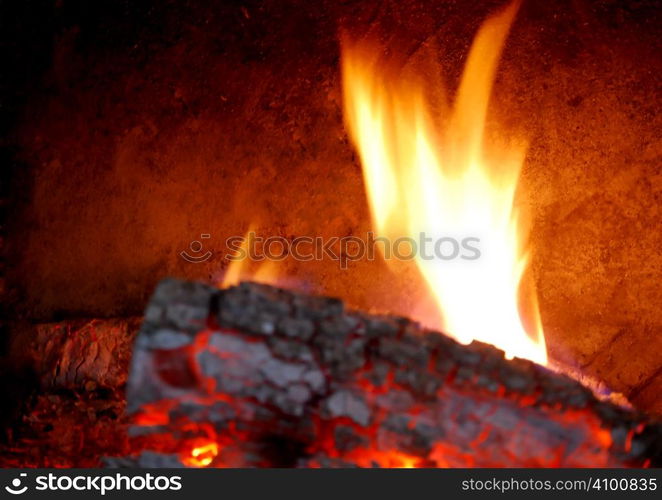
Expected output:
(259, 376)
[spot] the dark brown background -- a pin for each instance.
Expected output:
(130, 129)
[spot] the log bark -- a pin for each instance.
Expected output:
(269, 377)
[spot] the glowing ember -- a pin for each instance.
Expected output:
(201, 455)
(441, 181)
(389, 459)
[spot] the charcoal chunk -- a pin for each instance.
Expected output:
(348, 404)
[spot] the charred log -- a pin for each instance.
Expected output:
(66, 404)
(259, 376)
(74, 354)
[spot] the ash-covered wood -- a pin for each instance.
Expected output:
(276, 378)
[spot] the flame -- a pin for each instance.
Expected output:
(262, 272)
(442, 181)
(201, 455)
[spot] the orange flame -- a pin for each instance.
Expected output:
(421, 178)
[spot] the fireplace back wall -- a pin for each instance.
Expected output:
(134, 129)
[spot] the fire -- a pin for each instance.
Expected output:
(263, 272)
(390, 459)
(202, 455)
(443, 181)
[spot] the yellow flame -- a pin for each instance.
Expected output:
(421, 178)
(265, 271)
(201, 456)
